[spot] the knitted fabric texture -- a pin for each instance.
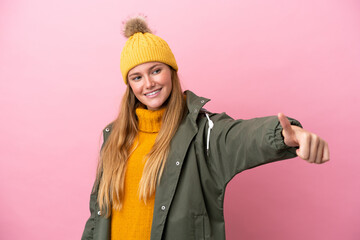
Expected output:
(134, 220)
(145, 47)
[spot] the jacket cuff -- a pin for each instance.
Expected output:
(279, 138)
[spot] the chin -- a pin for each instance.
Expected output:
(153, 108)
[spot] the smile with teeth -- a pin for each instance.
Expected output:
(152, 93)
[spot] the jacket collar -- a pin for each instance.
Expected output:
(194, 104)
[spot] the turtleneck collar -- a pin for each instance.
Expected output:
(149, 120)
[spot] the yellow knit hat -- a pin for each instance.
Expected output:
(143, 46)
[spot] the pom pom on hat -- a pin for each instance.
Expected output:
(135, 25)
(143, 46)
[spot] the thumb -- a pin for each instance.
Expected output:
(285, 124)
(287, 132)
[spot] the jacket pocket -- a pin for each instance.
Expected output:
(201, 227)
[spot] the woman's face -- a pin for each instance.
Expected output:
(151, 83)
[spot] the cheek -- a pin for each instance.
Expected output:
(167, 81)
(136, 89)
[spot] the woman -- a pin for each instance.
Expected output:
(165, 161)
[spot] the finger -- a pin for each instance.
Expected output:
(284, 121)
(313, 148)
(304, 146)
(326, 153)
(320, 152)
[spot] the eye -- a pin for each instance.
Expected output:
(137, 78)
(157, 71)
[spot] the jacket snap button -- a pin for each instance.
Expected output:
(177, 163)
(202, 101)
(107, 129)
(163, 208)
(99, 213)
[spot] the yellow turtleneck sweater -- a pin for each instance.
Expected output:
(134, 220)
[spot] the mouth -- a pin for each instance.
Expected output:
(153, 93)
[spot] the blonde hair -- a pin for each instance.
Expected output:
(110, 177)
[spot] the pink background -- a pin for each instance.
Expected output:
(61, 84)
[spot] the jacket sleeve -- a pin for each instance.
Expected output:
(237, 145)
(90, 225)
(91, 222)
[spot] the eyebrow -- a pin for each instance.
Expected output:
(154, 66)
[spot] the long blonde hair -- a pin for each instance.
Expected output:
(110, 177)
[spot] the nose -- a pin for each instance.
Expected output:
(149, 82)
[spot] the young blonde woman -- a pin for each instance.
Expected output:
(165, 161)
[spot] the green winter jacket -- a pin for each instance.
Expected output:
(190, 196)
